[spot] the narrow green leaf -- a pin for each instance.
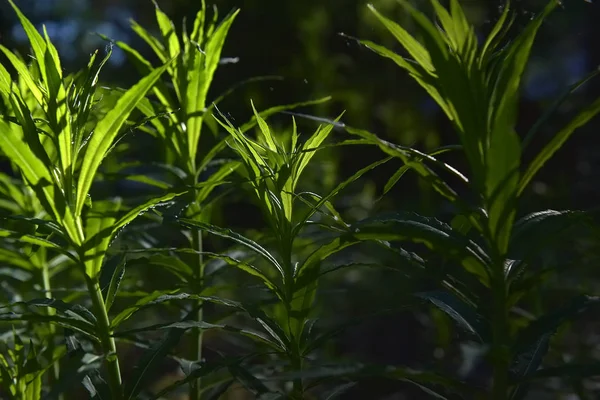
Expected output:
(334, 193)
(309, 148)
(278, 109)
(527, 362)
(99, 228)
(557, 141)
(504, 99)
(464, 314)
(556, 104)
(202, 68)
(153, 42)
(416, 161)
(549, 323)
(501, 180)
(430, 232)
(199, 370)
(145, 301)
(495, 35)
(38, 43)
(38, 241)
(236, 237)
(168, 32)
(415, 49)
(116, 275)
(14, 145)
(106, 131)
(24, 74)
(264, 128)
(303, 273)
(537, 230)
(141, 209)
(150, 361)
(67, 322)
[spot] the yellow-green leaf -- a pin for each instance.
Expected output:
(106, 131)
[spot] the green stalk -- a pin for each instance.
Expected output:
(286, 246)
(107, 341)
(298, 386)
(54, 377)
(197, 333)
(501, 332)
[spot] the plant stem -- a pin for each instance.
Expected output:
(197, 333)
(501, 358)
(55, 376)
(298, 387)
(106, 339)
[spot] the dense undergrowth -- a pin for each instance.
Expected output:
(101, 254)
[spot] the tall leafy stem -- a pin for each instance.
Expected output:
(478, 88)
(61, 175)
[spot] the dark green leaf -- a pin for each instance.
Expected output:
(466, 315)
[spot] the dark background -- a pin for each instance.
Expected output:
(299, 41)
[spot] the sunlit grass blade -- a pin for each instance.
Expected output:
(198, 30)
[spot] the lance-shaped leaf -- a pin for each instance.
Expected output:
(504, 152)
(236, 237)
(464, 314)
(537, 230)
(24, 75)
(98, 232)
(71, 316)
(107, 130)
(532, 342)
(37, 174)
(416, 160)
(425, 380)
(202, 65)
(168, 32)
(429, 231)
(557, 141)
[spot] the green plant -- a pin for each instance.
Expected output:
(58, 155)
(86, 275)
(186, 157)
(477, 87)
